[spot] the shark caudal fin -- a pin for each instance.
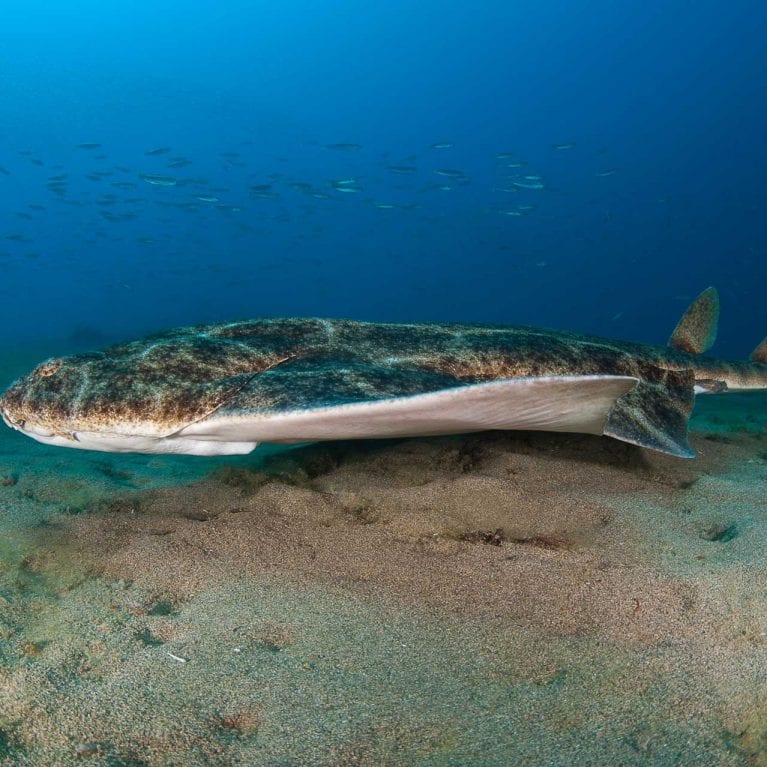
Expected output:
(696, 331)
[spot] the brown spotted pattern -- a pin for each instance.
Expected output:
(161, 383)
(167, 382)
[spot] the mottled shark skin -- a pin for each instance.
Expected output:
(222, 389)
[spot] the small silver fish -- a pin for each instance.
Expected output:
(158, 180)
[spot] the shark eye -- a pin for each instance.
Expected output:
(49, 368)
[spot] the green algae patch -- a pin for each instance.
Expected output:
(749, 738)
(720, 532)
(10, 749)
(24, 575)
(13, 549)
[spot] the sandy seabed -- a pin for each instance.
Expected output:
(492, 599)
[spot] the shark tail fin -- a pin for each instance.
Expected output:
(696, 331)
(759, 355)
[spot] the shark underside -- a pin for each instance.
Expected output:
(222, 389)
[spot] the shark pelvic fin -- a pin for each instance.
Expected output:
(696, 331)
(655, 413)
(759, 355)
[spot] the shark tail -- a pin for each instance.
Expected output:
(696, 332)
(655, 413)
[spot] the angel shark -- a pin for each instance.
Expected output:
(222, 389)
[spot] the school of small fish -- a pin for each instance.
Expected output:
(266, 190)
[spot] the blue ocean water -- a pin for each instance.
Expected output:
(480, 600)
(605, 162)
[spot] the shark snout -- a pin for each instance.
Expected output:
(24, 425)
(10, 420)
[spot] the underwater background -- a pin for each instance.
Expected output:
(605, 162)
(536, 600)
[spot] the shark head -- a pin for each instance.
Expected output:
(134, 397)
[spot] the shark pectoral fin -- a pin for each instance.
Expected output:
(577, 403)
(696, 331)
(655, 413)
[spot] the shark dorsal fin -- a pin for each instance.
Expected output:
(696, 331)
(759, 355)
